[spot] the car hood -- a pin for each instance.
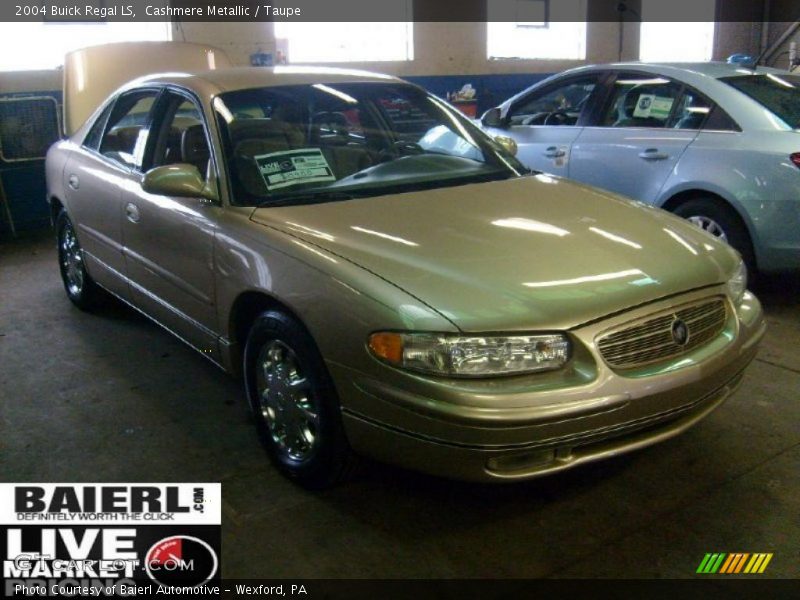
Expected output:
(527, 253)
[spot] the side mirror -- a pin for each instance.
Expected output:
(493, 118)
(180, 179)
(508, 144)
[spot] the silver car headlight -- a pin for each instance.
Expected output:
(737, 284)
(471, 356)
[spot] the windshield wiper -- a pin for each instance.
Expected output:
(309, 197)
(334, 195)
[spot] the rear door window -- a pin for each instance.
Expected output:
(719, 120)
(691, 111)
(92, 140)
(126, 130)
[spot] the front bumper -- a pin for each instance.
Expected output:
(523, 427)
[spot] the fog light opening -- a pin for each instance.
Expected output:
(527, 461)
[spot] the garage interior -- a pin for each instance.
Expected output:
(112, 397)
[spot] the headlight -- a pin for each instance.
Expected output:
(737, 285)
(471, 356)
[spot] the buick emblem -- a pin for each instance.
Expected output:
(680, 332)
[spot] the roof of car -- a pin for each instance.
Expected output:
(238, 78)
(710, 69)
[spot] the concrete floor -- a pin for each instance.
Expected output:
(112, 397)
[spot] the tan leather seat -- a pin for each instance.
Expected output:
(329, 131)
(121, 139)
(346, 160)
(120, 143)
(194, 148)
(172, 152)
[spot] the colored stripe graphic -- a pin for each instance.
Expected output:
(711, 563)
(734, 563)
(727, 564)
(741, 562)
(758, 563)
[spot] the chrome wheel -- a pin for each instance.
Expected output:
(709, 225)
(71, 260)
(284, 397)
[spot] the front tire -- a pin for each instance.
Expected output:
(296, 408)
(81, 289)
(722, 222)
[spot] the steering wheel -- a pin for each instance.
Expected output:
(334, 124)
(400, 148)
(557, 117)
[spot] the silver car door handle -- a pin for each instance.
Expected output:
(553, 152)
(132, 212)
(653, 154)
(73, 182)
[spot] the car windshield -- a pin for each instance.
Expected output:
(780, 94)
(324, 142)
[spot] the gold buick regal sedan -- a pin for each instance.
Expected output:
(390, 281)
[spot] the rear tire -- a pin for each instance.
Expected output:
(295, 404)
(81, 289)
(722, 222)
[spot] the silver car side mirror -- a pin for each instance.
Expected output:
(181, 179)
(493, 118)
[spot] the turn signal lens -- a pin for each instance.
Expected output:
(471, 356)
(388, 346)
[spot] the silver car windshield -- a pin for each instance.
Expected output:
(315, 143)
(780, 94)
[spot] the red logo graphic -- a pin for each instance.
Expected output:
(181, 560)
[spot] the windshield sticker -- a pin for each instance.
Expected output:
(650, 105)
(292, 167)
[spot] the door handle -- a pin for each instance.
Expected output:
(653, 154)
(73, 182)
(553, 152)
(132, 212)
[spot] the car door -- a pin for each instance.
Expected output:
(94, 179)
(645, 126)
(546, 122)
(169, 240)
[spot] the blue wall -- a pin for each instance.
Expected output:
(25, 189)
(491, 89)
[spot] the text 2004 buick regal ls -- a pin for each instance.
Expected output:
(390, 280)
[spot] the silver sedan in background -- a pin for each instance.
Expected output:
(715, 143)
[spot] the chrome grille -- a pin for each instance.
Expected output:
(650, 340)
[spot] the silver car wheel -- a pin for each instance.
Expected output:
(284, 395)
(72, 260)
(709, 225)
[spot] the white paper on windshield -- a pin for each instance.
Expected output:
(650, 105)
(292, 167)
